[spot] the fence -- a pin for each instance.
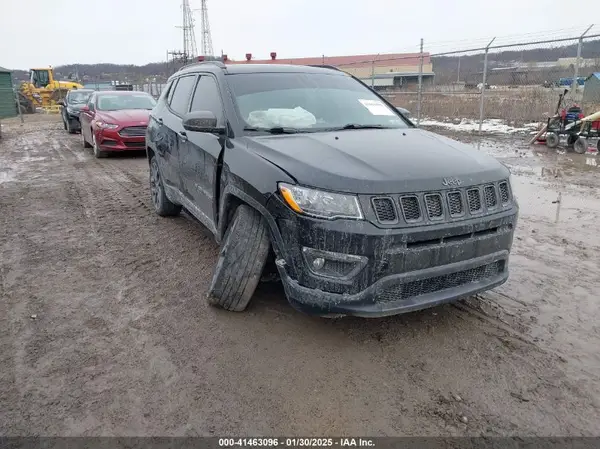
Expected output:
(508, 79)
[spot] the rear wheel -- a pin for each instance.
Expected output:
(241, 261)
(580, 146)
(162, 205)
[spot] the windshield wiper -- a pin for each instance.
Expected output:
(358, 126)
(274, 130)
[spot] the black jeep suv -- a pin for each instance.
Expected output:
(365, 214)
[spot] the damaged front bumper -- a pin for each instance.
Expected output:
(345, 267)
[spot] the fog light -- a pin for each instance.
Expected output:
(333, 265)
(318, 263)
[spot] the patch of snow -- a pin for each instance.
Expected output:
(495, 126)
(6, 175)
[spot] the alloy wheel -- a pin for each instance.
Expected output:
(155, 184)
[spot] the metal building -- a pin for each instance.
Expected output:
(8, 104)
(591, 90)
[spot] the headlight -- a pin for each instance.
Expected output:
(104, 125)
(318, 203)
(72, 111)
(512, 191)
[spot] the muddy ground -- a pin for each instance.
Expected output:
(104, 329)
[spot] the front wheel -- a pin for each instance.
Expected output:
(552, 140)
(97, 151)
(241, 261)
(85, 142)
(162, 205)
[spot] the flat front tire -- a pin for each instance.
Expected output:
(162, 205)
(241, 261)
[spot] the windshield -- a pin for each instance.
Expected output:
(119, 102)
(309, 102)
(76, 97)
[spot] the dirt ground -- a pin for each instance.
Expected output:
(104, 329)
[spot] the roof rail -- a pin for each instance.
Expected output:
(325, 66)
(217, 63)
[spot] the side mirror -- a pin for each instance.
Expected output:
(61, 103)
(84, 109)
(403, 111)
(202, 122)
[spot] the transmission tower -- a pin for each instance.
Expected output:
(207, 46)
(190, 49)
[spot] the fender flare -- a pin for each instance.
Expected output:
(233, 191)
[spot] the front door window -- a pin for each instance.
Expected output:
(40, 78)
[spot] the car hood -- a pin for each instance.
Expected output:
(130, 117)
(75, 106)
(377, 161)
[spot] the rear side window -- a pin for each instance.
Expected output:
(181, 97)
(206, 96)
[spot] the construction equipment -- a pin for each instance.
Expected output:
(588, 128)
(43, 91)
(560, 125)
(557, 125)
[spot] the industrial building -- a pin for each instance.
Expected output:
(591, 91)
(8, 105)
(397, 71)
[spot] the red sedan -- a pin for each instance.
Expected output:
(115, 121)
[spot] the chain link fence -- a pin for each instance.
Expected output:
(513, 80)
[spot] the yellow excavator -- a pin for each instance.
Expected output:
(43, 91)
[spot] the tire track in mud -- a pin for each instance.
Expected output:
(129, 206)
(110, 317)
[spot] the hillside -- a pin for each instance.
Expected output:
(471, 66)
(445, 67)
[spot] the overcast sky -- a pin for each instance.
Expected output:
(54, 32)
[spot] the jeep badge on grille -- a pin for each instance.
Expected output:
(451, 182)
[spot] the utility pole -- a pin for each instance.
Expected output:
(420, 92)
(481, 102)
(575, 84)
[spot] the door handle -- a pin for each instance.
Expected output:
(159, 120)
(183, 136)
